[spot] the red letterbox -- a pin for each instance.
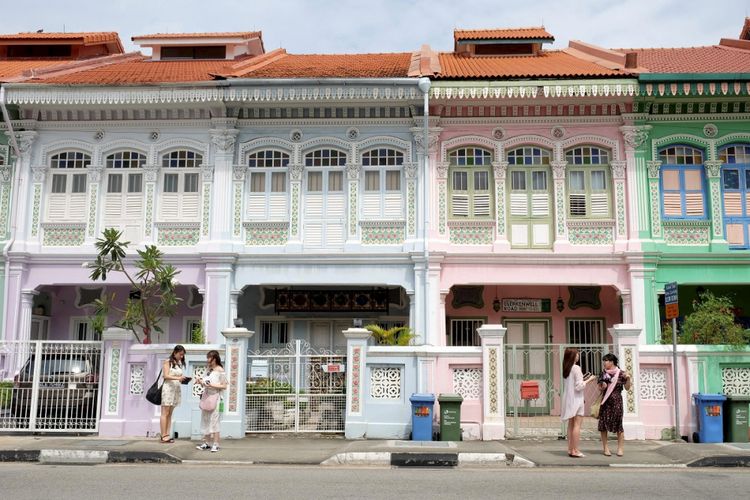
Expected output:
(529, 389)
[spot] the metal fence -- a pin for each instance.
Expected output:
(296, 389)
(533, 388)
(60, 393)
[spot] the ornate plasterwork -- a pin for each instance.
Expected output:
(558, 169)
(618, 168)
(471, 232)
(149, 208)
(653, 190)
(560, 213)
(442, 205)
(686, 232)
(25, 139)
(151, 173)
(329, 142)
(382, 232)
(4, 208)
(353, 170)
(433, 136)
(39, 173)
(52, 148)
(717, 218)
(590, 233)
(385, 383)
(712, 168)
(63, 235)
(137, 379)
(635, 136)
(411, 206)
(471, 140)
(36, 209)
(653, 167)
(499, 170)
(269, 143)
(620, 211)
(706, 144)
(532, 90)
(224, 139)
(710, 130)
(93, 198)
(442, 169)
(206, 219)
(295, 171)
(735, 380)
(353, 206)
(295, 208)
(237, 210)
(94, 173)
(266, 233)
(207, 173)
(93, 96)
(653, 384)
(468, 382)
(411, 170)
(178, 234)
(182, 143)
(385, 140)
(6, 174)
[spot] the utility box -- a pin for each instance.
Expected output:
(736, 413)
(421, 416)
(450, 416)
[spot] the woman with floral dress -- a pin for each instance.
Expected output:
(171, 391)
(611, 382)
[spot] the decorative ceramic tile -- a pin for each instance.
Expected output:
(353, 202)
(442, 206)
(63, 235)
(411, 207)
(36, 209)
(472, 232)
(237, 225)
(621, 211)
(581, 233)
(382, 232)
(180, 234)
(206, 208)
(493, 395)
(149, 208)
(295, 208)
(653, 187)
(356, 379)
(630, 368)
(686, 232)
(93, 203)
(266, 233)
(113, 398)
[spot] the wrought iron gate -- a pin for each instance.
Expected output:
(537, 414)
(58, 394)
(296, 389)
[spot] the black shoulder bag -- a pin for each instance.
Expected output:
(153, 395)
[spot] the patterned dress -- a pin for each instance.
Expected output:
(610, 413)
(211, 420)
(171, 391)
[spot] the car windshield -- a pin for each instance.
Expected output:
(59, 366)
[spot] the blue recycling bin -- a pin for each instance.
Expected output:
(710, 408)
(421, 416)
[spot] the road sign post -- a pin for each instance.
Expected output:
(672, 310)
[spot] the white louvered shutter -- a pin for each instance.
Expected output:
(190, 206)
(394, 206)
(371, 205)
(256, 206)
(77, 207)
(482, 205)
(519, 204)
(460, 205)
(170, 206)
(57, 205)
(539, 204)
(599, 205)
(277, 206)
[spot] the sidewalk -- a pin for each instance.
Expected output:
(336, 451)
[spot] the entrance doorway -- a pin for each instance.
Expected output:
(327, 334)
(528, 359)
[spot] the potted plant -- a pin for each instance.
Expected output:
(397, 335)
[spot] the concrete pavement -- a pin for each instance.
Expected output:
(336, 451)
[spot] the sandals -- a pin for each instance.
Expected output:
(576, 455)
(166, 441)
(607, 453)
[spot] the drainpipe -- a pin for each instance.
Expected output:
(14, 201)
(424, 86)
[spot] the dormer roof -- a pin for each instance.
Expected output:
(526, 34)
(228, 45)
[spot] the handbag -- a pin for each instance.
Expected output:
(153, 395)
(596, 405)
(209, 402)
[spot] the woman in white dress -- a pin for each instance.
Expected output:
(214, 383)
(574, 384)
(171, 392)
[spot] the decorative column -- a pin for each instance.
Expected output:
(441, 317)
(233, 423)
(150, 177)
(412, 310)
(216, 300)
(94, 178)
(238, 184)
(39, 178)
(233, 299)
(713, 175)
(500, 169)
(420, 301)
(116, 344)
(627, 307)
(561, 216)
(493, 381)
(356, 359)
(295, 193)
(24, 323)
(442, 200)
(27, 191)
(625, 339)
(637, 183)
(352, 224)
(6, 180)
(619, 208)
(655, 205)
(217, 221)
(411, 171)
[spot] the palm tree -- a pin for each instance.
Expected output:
(397, 335)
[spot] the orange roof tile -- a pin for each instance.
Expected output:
(87, 38)
(14, 68)
(710, 59)
(503, 34)
(551, 64)
(245, 35)
(394, 65)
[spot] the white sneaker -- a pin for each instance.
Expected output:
(214, 448)
(203, 446)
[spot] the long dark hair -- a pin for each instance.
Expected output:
(569, 359)
(611, 357)
(173, 357)
(215, 356)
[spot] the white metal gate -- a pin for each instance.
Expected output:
(59, 394)
(296, 389)
(536, 413)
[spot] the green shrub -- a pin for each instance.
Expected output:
(398, 335)
(710, 323)
(6, 394)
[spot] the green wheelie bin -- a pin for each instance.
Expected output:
(736, 413)
(450, 416)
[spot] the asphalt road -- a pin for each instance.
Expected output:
(180, 482)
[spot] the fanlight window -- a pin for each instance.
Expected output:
(70, 159)
(269, 158)
(325, 158)
(529, 155)
(182, 158)
(126, 159)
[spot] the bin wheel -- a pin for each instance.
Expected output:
(696, 438)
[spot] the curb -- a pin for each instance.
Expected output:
(722, 461)
(86, 457)
(428, 459)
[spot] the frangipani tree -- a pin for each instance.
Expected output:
(152, 294)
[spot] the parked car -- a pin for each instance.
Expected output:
(68, 391)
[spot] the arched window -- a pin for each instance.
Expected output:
(67, 191)
(268, 185)
(123, 200)
(530, 197)
(382, 197)
(735, 185)
(470, 182)
(180, 198)
(682, 183)
(325, 199)
(588, 179)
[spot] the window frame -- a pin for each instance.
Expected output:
(276, 164)
(743, 173)
(681, 168)
(471, 169)
(391, 162)
(69, 168)
(275, 333)
(587, 166)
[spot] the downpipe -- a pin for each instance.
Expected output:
(424, 86)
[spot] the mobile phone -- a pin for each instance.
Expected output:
(187, 380)
(587, 375)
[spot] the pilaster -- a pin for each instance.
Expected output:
(635, 138)
(653, 167)
(356, 356)
(625, 339)
(713, 176)
(150, 177)
(619, 208)
(24, 323)
(233, 420)
(442, 200)
(94, 178)
(238, 189)
(561, 214)
(296, 171)
(493, 381)
(116, 344)
(500, 169)
(353, 171)
(217, 221)
(216, 299)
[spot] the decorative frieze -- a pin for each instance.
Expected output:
(532, 90)
(178, 234)
(266, 233)
(686, 232)
(471, 232)
(591, 232)
(224, 140)
(63, 235)
(382, 232)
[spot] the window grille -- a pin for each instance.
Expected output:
(463, 332)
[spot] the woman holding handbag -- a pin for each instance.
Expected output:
(611, 382)
(574, 384)
(171, 392)
(213, 384)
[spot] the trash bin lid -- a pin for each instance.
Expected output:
(450, 398)
(422, 398)
(709, 397)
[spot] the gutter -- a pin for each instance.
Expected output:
(13, 204)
